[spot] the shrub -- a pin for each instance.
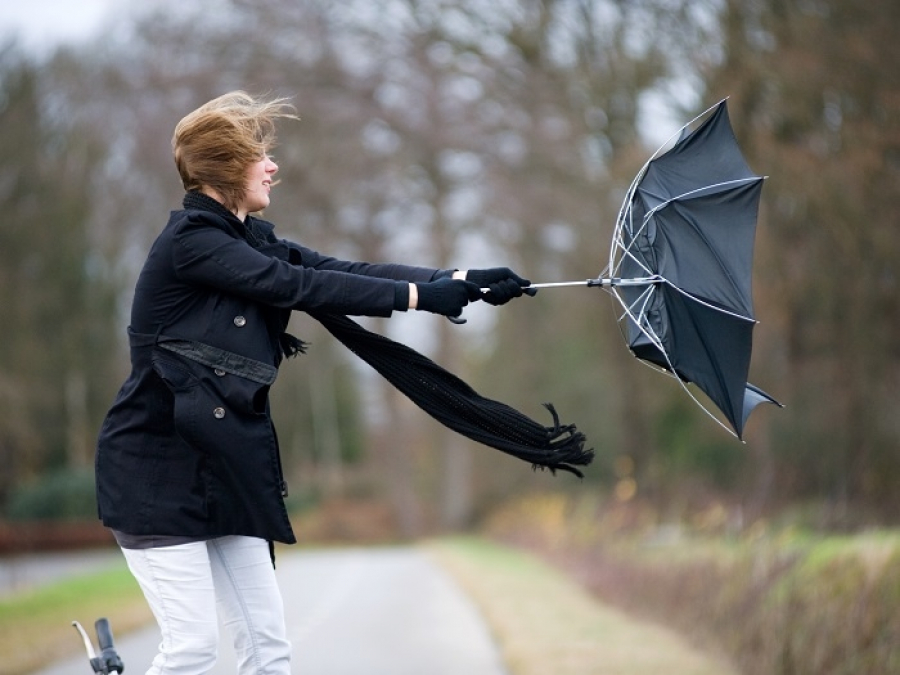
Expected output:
(65, 494)
(776, 603)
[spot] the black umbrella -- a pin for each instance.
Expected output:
(681, 263)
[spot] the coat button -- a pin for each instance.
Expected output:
(240, 321)
(219, 372)
(219, 413)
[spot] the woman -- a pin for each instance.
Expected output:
(188, 471)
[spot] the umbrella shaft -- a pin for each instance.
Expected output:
(613, 281)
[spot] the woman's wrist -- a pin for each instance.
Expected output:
(401, 296)
(414, 291)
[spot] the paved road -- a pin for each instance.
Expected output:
(387, 611)
(28, 570)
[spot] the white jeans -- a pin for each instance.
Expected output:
(184, 584)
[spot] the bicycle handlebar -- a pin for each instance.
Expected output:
(108, 655)
(108, 661)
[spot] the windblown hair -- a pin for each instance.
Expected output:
(215, 145)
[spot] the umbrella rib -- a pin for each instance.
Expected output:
(652, 212)
(626, 250)
(625, 209)
(625, 213)
(632, 188)
(627, 253)
(718, 373)
(689, 193)
(643, 299)
(651, 335)
(707, 304)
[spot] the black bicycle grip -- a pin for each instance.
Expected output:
(104, 634)
(108, 656)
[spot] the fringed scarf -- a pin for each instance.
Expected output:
(457, 406)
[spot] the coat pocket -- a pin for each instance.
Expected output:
(205, 395)
(244, 396)
(184, 386)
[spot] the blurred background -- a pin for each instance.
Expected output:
(457, 134)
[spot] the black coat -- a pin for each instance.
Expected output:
(188, 447)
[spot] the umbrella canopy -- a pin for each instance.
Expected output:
(682, 259)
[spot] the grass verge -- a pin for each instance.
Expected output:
(36, 626)
(775, 599)
(545, 623)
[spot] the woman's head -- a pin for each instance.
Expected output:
(216, 145)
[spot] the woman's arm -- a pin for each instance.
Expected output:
(208, 255)
(315, 260)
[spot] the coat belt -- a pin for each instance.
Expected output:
(214, 357)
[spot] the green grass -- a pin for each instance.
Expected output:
(36, 626)
(545, 623)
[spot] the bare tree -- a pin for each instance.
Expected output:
(819, 110)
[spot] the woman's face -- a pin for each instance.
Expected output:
(259, 184)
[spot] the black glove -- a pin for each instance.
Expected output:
(502, 283)
(447, 296)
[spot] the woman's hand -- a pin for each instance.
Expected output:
(502, 283)
(445, 296)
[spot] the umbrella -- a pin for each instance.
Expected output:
(680, 266)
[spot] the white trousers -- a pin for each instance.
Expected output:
(185, 584)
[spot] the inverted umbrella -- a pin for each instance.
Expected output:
(680, 266)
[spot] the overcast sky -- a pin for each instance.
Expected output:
(43, 24)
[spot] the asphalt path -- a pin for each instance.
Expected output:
(384, 611)
(24, 571)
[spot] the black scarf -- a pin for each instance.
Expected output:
(438, 392)
(457, 406)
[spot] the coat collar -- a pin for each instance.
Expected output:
(257, 232)
(197, 201)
